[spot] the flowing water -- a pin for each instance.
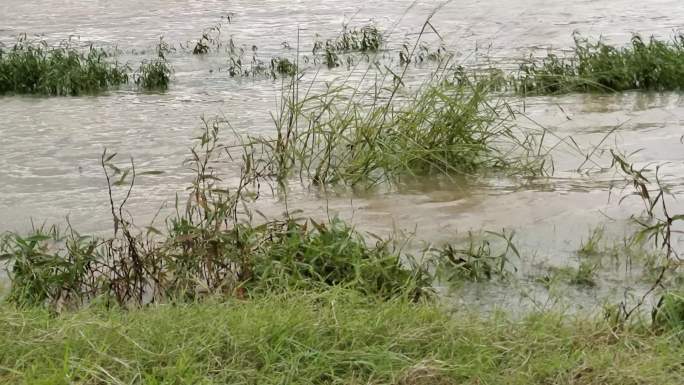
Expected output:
(50, 147)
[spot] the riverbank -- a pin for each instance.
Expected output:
(330, 337)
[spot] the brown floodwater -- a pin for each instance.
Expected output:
(50, 147)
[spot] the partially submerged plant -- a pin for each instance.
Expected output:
(599, 67)
(591, 246)
(155, 74)
(367, 39)
(283, 66)
(451, 127)
(585, 275)
(364, 39)
(475, 262)
(37, 68)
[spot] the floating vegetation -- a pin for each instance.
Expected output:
(36, 68)
(598, 67)
(155, 74)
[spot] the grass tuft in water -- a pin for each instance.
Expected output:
(669, 312)
(37, 68)
(208, 248)
(450, 127)
(155, 74)
(599, 67)
(283, 66)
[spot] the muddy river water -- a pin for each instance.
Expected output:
(50, 147)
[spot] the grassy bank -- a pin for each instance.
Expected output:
(332, 338)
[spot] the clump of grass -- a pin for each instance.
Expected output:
(366, 39)
(241, 66)
(336, 337)
(585, 275)
(37, 68)
(669, 312)
(450, 127)
(211, 37)
(598, 67)
(334, 255)
(283, 66)
(423, 53)
(38, 275)
(592, 245)
(476, 262)
(155, 74)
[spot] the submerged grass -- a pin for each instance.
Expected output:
(599, 67)
(36, 68)
(155, 74)
(345, 136)
(335, 337)
(366, 39)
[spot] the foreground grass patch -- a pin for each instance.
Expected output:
(331, 338)
(36, 68)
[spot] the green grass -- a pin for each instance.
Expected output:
(155, 74)
(346, 136)
(599, 67)
(36, 68)
(365, 40)
(335, 337)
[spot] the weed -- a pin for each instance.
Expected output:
(591, 246)
(39, 274)
(657, 228)
(211, 38)
(448, 128)
(36, 68)
(423, 54)
(585, 275)
(208, 248)
(669, 312)
(334, 255)
(364, 39)
(155, 74)
(599, 67)
(283, 66)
